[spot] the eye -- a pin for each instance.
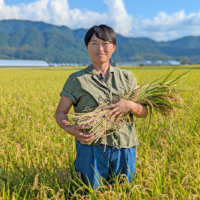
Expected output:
(94, 43)
(106, 43)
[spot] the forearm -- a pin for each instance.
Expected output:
(138, 110)
(60, 116)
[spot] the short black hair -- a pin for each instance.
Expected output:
(103, 32)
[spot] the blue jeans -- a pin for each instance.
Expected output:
(93, 163)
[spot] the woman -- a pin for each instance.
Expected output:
(90, 87)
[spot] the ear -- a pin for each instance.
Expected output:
(86, 48)
(114, 47)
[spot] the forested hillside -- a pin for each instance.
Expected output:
(21, 39)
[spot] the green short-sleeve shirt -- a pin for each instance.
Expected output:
(87, 89)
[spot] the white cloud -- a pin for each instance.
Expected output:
(178, 20)
(118, 16)
(51, 11)
(58, 12)
(164, 27)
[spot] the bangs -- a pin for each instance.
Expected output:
(102, 32)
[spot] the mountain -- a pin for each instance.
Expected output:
(22, 39)
(186, 42)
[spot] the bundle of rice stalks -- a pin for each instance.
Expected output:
(95, 122)
(158, 96)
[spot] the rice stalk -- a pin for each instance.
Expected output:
(161, 97)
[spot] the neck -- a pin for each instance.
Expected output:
(101, 68)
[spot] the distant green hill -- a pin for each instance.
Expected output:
(186, 42)
(22, 39)
(45, 45)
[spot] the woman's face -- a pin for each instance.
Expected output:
(100, 51)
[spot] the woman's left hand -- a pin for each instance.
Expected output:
(118, 109)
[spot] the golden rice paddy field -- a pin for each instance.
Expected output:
(36, 156)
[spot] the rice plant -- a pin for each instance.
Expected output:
(37, 157)
(160, 96)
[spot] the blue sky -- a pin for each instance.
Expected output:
(157, 19)
(145, 8)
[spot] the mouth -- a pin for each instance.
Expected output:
(100, 54)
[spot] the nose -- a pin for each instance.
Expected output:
(100, 47)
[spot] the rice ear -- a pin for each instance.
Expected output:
(161, 97)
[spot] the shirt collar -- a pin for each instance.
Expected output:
(91, 70)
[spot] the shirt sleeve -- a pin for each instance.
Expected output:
(69, 89)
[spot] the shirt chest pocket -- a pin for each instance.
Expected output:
(86, 100)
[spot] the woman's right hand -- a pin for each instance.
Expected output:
(75, 131)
